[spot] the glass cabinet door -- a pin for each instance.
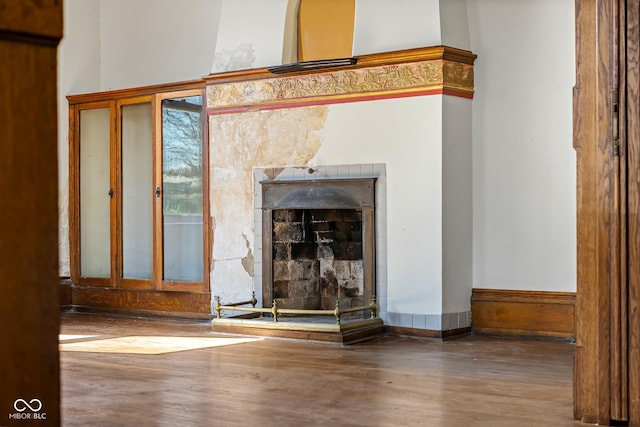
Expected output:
(137, 191)
(182, 189)
(95, 193)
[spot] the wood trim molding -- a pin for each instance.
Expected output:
(169, 304)
(412, 72)
(363, 61)
(523, 313)
(65, 292)
(628, 367)
(38, 20)
(135, 92)
(596, 395)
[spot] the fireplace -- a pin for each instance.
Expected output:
(318, 243)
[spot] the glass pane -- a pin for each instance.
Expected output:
(137, 192)
(95, 251)
(182, 188)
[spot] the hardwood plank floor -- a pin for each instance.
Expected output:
(389, 381)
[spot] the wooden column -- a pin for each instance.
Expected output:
(607, 141)
(29, 307)
(632, 155)
(595, 61)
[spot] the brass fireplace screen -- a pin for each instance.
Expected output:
(275, 311)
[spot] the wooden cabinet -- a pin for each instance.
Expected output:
(139, 214)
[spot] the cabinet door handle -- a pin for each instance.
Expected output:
(158, 191)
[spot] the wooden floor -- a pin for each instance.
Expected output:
(119, 371)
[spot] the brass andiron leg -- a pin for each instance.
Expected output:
(374, 307)
(337, 312)
(274, 310)
(218, 306)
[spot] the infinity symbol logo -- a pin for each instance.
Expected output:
(21, 405)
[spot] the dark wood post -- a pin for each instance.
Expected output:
(29, 301)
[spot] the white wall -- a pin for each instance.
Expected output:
(383, 26)
(405, 134)
(454, 26)
(457, 205)
(78, 72)
(156, 41)
(250, 35)
(523, 160)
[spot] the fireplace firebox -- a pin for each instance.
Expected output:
(318, 243)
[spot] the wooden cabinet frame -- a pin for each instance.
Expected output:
(169, 285)
(74, 194)
(114, 101)
(116, 219)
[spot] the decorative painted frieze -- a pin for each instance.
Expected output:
(395, 74)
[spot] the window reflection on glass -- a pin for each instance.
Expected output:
(182, 188)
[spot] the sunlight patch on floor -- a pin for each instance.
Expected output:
(68, 337)
(150, 344)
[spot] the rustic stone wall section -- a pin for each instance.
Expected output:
(317, 258)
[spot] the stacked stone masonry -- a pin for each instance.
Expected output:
(317, 258)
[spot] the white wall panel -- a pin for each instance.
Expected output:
(523, 160)
(405, 134)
